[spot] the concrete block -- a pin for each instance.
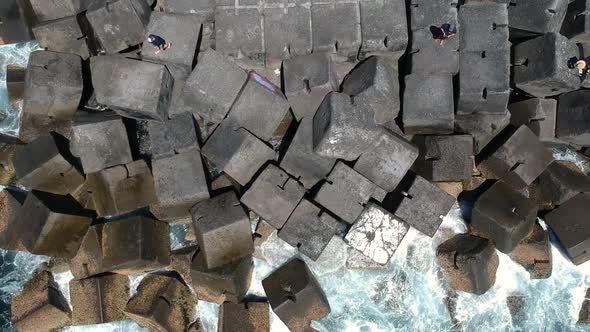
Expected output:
(387, 161)
(573, 117)
(522, 158)
(227, 283)
(183, 44)
(541, 17)
(343, 129)
(99, 299)
(538, 114)
(40, 306)
(121, 189)
(484, 27)
(180, 183)
(504, 216)
(424, 13)
(428, 57)
(53, 85)
(375, 82)
(204, 9)
(483, 127)
(223, 230)
(52, 225)
(135, 245)
(262, 109)
(237, 152)
(11, 201)
(307, 80)
(422, 205)
(100, 141)
(251, 316)
(446, 158)
(16, 23)
(33, 126)
(62, 35)
(561, 181)
(346, 192)
(88, 260)
(45, 11)
(176, 135)
(287, 32)
(134, 89)
(428, 104)
(336, 28)
(568, 223)
(300, 160)
(470, 263)
(46, 164)
(384, 26)
(376, 234)
(541, 66)
(309, 229)
(534, 253)
(120, 24)
(295, 295)
(239, 32)
(7, 171)
(162, 303)
(15, 85)
(213, 86)
(356, 260)
(576, 22)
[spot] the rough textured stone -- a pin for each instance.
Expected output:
(100, 299)
(238, 31)
(561, 181)
(484, 26)
(11, 201)
(483, 127)
(45, 11)
(15, 26)
(575, 23)
(584, 314)
(470, 263)
(428, 104)
(336, 27)
(573, 117)
(424, 13)
(287, 30)
(384, 26)
(204, 9)
(426, 52)
(62, 35)
(176, 135)
(446, 158)
(534, 253)
(538, 114)
(88, 260)
(539, 16)
(250, 316)
(7, 171)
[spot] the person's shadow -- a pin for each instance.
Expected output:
(436, 32)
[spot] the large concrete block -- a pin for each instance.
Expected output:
(237, 152)
(336, 28)
(428, 104)
(162, 303)
(7, 171)
(120, 24)
(295, 295)
(534, 253)
(287, 32)
(40, 306)
(250, 316)
(424, 13)
(52, 225)
(307, 80)
(470, 263)
(239, 32)
(121, 189)
(47, 11)
(64, 36)
(176, 135)
(53, 85)
(387, 161)
(99, 299)
(134, 89)
(100, 141)
(204, 9)
(482, 126)
(561, 181)
(46, 164)
(429, 57)
(568, 222)
(541, 65)
(346, 192)
(375, 82)
(88, 260)
(16, 23)
(446, 158)
(342, 128)
(169, 26)
(384, 26)
(33, 126)
(180, 183)
(484, 27)
(262, 109)
(309, 229)
(213, 86)
(223, 230)
(573, 117)
(11, 201)
(576, 24)
(504, 216)
(538, 114)
(538, 16)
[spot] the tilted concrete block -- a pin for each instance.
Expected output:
(62, 35)
(100, 141)
(33, 126)
(561, 181)
(11, 201)
(99, 299)
(239, 32)
(336, 28)
(482, 126)
(428, 104)
(568, 223)
(134, 89)
(446, 158)
(429, 57)
(47, 11)
(538, 114)
(223, 230)
(534, 253)
(576, 23)
(88, 260)
(572, 117)
(287, 32)
(204, 9)
(176, 135)
(384, 26)
(250, 316)
(539, 16)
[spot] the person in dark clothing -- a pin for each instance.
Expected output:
(581, 64)
(444, 32)
(158, 42)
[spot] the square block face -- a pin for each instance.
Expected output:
(227, 283)
(176, 135)
(287, 32)
(569, 224)
(63, 35)
(100, 299)
(273, 196)
(223, 230)
(51, 10)
(484, 27)
(252, 317)
(387, 162)
(573, 117)
(538, 114)
(428, 104)
(336, 27)
(427, 51)
(483, 127)
(239, 31)
(376, 234)
(446, 158)
(539, 16)
(213, 86)
(384, 25)
(183, 45)
(204, 9)
(424, 13)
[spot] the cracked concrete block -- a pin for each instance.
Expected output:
(307, 80)
(445, 158)
(534, 253)
(482, 126)
(204, 9)
(387, 161)
(40, 306)
(336, 28)
(250, 316)
(175, 135)
(239, 32)
(484, 27)
(11, 201)
(309, 229)
(561, 181)
(119, 25)
(539, 16)
(223, 230)
(376, 234)
(132, 88)
(100, 141)
(295, 295)
(428, 104)
(62, 35)
(121, 189)
(346, 192)
(287, 32)
(384, 26)
(273, 195)
(538, 114)
(162, 303)
(572, 117)
(99, 299)
(470, 263)
(426, 53)
(46, 164)
(237, 152)
(179, 183)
